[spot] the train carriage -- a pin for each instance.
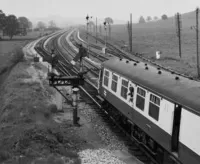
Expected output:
(160, 108)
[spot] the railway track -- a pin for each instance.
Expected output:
(90, 90)
(138, 57)
(94, 55)
(115, 51)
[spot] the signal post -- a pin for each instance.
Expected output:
(75, 81)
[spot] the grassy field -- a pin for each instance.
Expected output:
(28, 132)
(161, 35)
(8, 48)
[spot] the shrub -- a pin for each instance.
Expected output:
(18, 56)
(4, 155)
(52, 108)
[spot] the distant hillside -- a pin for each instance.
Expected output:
(65, 21)
(188, 19)
(161, 35)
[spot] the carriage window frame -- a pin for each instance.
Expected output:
(154, 106)
(124, 87)
(106, 76)
(114, 81)
(141, 97)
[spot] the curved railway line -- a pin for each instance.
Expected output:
(137, 57)
(67, 53)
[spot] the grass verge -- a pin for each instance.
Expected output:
(28, 133)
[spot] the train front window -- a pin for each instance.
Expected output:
(114, 83)
(140, 101)
(106, 78)
(154, 107)
(124, 88)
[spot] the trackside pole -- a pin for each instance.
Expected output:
(75, 104)
(197, 40)
(74, 81)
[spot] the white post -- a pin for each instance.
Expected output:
(59, 100)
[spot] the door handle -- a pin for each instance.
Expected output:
(149, 126)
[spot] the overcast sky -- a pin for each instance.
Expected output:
(117, 9)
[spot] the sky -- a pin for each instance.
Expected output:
(116, 9)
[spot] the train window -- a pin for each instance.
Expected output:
(140, 100)
(141, 92)
(154, 106)
(131, 93)
(106, 78)
(124, 88)
(114, 83)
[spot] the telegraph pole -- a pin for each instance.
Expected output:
(75, 104)
(197, 39)
(178, 31)
(105, 27)
(128, 29)
(100, 29)
(96, 29)
(130, 32)
(87, 20)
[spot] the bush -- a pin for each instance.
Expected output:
(46, 114)
(53, 108)
(4, 155)
(3, 70)
(18, 56)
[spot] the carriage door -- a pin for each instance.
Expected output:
(99, 81)
(176, 128)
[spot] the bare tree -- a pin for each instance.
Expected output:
(164, 17)
(52, 24)
(141, 19)
(149, 18)
(41, 25)
(155, 18)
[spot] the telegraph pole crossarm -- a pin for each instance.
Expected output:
(197, 39)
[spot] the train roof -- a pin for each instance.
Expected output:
(183, 91)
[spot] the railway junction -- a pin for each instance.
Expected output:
(84, 77)
(75, 67)
(109, 106)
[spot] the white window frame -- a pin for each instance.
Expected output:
(108, 78)
(150, 117)
(122, 78)
(118, 80)
(136, 94)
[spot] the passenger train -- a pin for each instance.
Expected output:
(160, 109)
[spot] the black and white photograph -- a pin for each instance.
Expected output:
(99, 82)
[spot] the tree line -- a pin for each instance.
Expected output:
(43, 26)
(149, 18)
(10, 25)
